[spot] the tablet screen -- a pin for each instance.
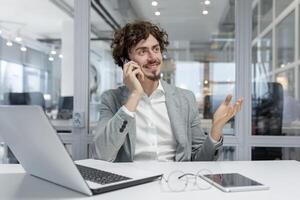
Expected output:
(232, 180)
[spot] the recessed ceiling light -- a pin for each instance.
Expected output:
(23, 48)
(18, 39)
(60, 56)
(154, 3)
(9, 43)
(47, 97)
(53, 52)
(206, 2)
(0, 32)
(204, 12)
(157, 13)
(50, 58)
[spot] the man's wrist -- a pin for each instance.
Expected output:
(216, 133)
(136, 94)
(133, 101)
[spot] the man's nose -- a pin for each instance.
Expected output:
(151, 55)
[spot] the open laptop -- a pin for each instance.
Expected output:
(29, 134)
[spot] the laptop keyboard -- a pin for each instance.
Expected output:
(99, 176)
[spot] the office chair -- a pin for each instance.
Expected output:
(267, 115)
(267, 108)
(65, 107)
(14, 98)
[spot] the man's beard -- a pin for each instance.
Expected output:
(154, 76)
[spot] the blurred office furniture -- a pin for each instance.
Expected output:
(266, 153)
(65, 107)
(267, 108)
(267, 112)
(24, 98)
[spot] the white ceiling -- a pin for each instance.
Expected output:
(183, 20)
(37, 18)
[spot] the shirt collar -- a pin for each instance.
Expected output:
(158, 92)
(160, 87)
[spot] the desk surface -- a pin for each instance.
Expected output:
(283, 178)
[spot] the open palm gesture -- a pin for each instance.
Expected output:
(226, 111)
(223, 114)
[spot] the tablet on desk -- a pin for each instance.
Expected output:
(233, 182)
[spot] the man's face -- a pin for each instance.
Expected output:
(147, 54)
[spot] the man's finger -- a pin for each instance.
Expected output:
(240, 102)
(228, 99)
(138, 73)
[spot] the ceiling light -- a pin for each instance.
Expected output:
(47, 97)
(51, 58)
(206, 2)
(157, 13)
(0, 31)
(18, 39)
(9, 43)
(204, 12)
(23, 48)
(154, 3)
(60, 56)
(53, 52)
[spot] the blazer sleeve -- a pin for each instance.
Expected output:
(203, 148)
(112, 130)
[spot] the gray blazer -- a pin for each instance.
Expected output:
(115, 136)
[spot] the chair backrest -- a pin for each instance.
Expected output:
(65, 107)
(267, 108)
(15, 98)
(65, 103)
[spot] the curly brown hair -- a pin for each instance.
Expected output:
(131, 34)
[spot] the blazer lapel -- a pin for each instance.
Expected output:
(173, 108)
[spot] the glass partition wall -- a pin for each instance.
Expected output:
(200, 57)
(36, 61)
(275, 81)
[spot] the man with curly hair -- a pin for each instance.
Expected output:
(147, 118)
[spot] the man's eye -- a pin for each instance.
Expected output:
(157, 49)
(141, 52)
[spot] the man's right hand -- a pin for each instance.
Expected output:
(132, 78)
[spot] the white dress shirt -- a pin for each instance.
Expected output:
(154, 137)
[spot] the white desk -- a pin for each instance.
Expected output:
(283, 177)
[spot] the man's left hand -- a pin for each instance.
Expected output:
(223, 114)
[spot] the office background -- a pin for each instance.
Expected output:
(55, 52)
